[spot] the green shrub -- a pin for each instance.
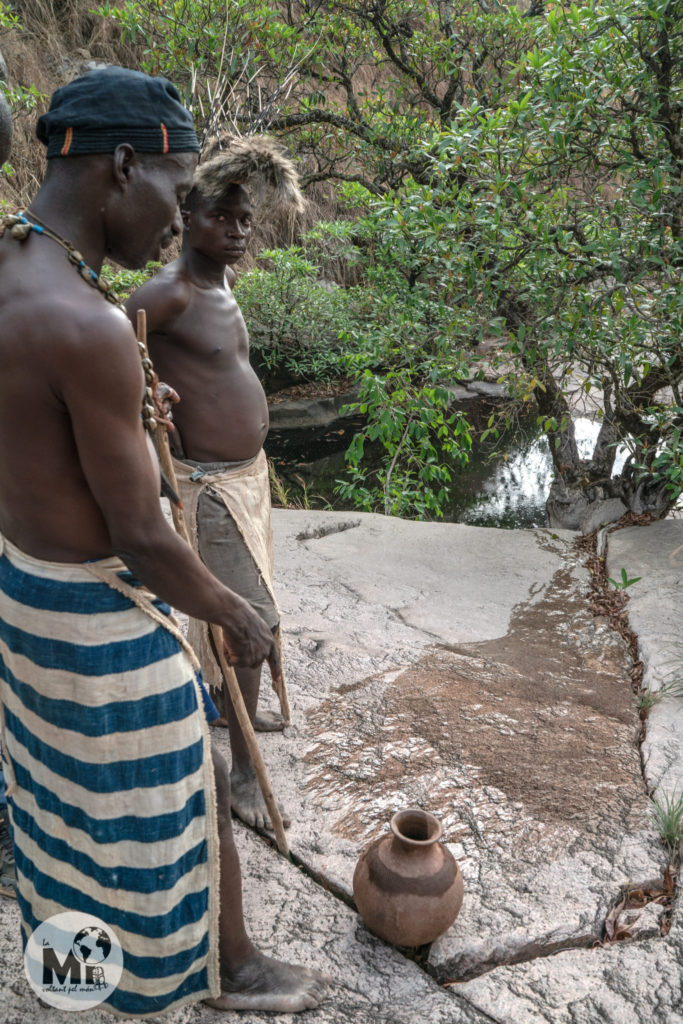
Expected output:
(297, 323)
(126, 281)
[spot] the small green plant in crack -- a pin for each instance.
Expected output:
(674, 665)
(648, 698)
(673, 687)
(624, 582)
(667, 812)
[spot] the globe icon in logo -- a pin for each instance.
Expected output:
(92, 945)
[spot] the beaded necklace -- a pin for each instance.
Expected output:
(20, 227)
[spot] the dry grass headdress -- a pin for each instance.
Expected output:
(258, 163)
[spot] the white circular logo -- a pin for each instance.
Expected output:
(73, 961)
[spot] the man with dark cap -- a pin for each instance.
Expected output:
(118, 814)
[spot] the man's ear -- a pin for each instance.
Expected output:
(124, 160)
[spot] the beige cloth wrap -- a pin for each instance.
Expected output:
(245, 490)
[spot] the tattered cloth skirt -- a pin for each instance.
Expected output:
(228, 515)
(109, 773)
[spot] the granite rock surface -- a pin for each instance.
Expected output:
(462, 670)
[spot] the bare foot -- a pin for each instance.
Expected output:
(268, 721)
(246, 801)
(219, 723)
(271, 985)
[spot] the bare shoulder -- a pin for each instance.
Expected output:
(62, 320)
(64, 333)
(230, 276)
(88, 335)
(95, 323)
(164, 297)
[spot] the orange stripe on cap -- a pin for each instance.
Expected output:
(68, 136)
(164, 132)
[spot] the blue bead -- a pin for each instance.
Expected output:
(37, 227)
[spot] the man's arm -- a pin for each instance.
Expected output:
(163, 298)
(123, 480)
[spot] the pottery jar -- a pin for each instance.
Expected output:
(407, 885)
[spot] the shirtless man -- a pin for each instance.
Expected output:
(78, 485)
(200, 347)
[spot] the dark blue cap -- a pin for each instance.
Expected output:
(108, 106)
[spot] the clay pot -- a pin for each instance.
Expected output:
(407, 885)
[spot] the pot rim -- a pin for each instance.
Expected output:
(433, 826)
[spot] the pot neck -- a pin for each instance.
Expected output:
(415, 830)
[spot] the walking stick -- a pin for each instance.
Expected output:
(251, 741)
(218, 639)
(280, 686)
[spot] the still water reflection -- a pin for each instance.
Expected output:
(515, 491)
(507, 488)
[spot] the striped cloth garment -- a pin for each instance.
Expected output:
(110, 781)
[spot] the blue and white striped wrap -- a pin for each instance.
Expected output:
(110, 782)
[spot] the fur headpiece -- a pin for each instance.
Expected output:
(256, 162)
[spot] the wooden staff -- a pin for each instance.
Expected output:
(218, 639)
(251, 741)
(280, 686)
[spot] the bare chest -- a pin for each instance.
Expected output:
(212, 329)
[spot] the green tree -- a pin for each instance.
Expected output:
(233, 61)
(517, 174)
(600, 303)
(549, 210)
